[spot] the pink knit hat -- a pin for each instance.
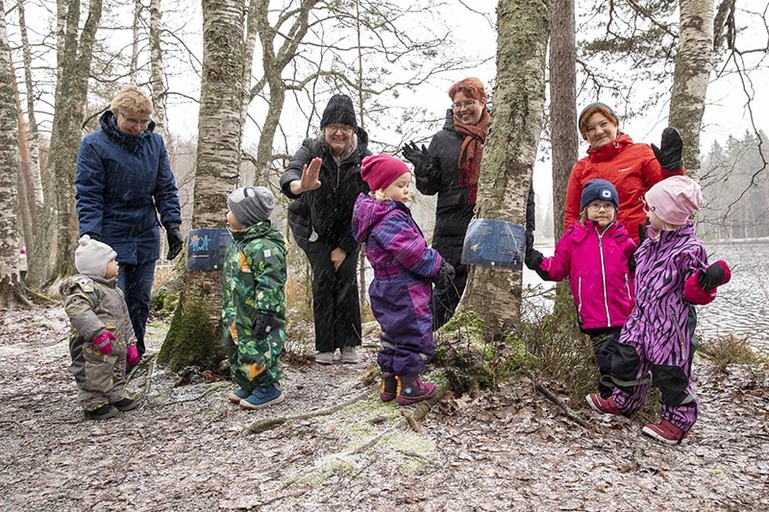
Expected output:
(675, 199)
(379, 171)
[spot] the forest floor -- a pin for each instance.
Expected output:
(188, 449)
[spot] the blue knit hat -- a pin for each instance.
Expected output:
(598, 189)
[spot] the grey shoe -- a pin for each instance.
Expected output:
(324, 357)
(349, 355)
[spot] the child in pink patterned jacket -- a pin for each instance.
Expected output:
(594, 254)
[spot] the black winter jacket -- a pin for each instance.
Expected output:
(327, 210)
(441, 176)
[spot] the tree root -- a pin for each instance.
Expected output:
(268, 423)
(557, 401)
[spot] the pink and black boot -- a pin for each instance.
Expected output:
(389, 387)
(411, 389)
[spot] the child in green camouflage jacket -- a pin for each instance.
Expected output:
(254, 305)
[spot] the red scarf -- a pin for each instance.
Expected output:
(471, 153)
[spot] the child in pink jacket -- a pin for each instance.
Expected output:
(594, 254)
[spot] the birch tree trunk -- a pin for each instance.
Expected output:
(9, 162)
(519, 100)
(694, 61)
(71, 91)
(157, 70)
(195, 333)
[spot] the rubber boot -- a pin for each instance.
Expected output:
(411, 389)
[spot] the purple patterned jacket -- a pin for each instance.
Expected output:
(661, 318)
(403, 264)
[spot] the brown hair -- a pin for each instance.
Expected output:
(591, 109)
(471, 87)
(132, 100)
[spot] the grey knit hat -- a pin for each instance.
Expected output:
(250, 205)
(92, 256)
(339, 111)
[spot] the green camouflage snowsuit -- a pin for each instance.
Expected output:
(93, 305)
(254, 304)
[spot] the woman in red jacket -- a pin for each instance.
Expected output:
(632, 168)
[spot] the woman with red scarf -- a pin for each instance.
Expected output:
(450, 167)
(632, 168)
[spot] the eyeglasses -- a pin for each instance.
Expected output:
(333, 128)
(135, 122)
(463, 104)
(597, 207)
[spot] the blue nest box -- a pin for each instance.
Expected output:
(206, 248)
(494, 243)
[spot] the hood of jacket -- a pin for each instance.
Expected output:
(108, 123)
(262, 229)
(368, 212)
(610, 150)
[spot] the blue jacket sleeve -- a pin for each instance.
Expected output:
(166, 194)
(89, 186)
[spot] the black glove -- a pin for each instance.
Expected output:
(175, 242)
(445, 275)
(715, 275)
(530, 207)
(533, 257)
(670, 154)
(419, 157)
(263, 324)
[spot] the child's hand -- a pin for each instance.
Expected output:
(103, 342)
(262, 325)
(132, 356)
(445, 275)
(715, 275)
(533, 258)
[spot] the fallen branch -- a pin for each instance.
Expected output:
(553, 398)
(268, 423)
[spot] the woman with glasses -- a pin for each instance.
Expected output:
(450, 167)
(323, 178)
(595, 255)
(632, 168)
(124, 182)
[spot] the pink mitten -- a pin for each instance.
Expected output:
(103, 342)
(132, 356)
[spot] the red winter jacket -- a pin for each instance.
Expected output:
(597, 267)
(631, 168)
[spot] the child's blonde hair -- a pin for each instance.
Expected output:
(380, 195)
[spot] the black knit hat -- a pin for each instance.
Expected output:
(339, 111)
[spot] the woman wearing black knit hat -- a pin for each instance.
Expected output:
(323, 178)
(613, 156)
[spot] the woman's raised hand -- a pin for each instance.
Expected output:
(310, 173)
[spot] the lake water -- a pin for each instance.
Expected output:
(740, 308)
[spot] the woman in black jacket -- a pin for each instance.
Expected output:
(323, 178)
(450, 167)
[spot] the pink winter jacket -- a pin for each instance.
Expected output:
(597, 266)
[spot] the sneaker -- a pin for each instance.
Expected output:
(262, 397)
(126, 404)
(324, 357)
(238, 395)
(411, 390)
(389, 387)
(102, 412)
(604, 405)
(665, 431)
(349, 355)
